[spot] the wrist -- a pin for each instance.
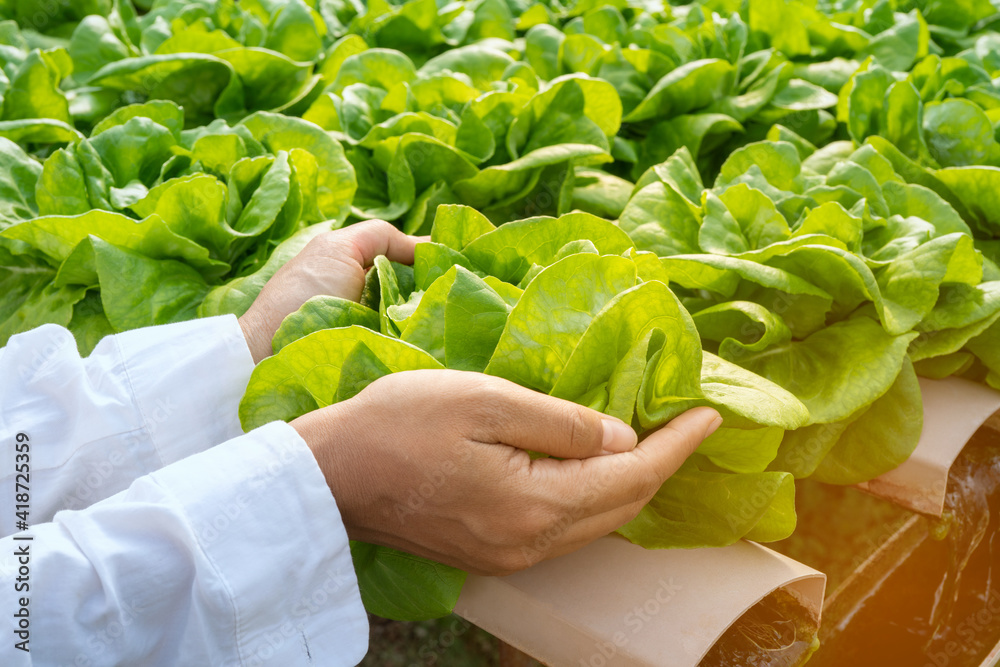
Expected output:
(258, 342)
(314, 429)
(328, 439)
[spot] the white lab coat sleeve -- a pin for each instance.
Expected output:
(142, 400)
(234, 556)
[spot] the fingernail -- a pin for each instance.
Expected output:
(618, 437)
(713, 427)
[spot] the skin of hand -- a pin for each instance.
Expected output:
(332, 264)
(436, 463)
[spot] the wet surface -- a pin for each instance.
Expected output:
(941, 606)
(774, 633)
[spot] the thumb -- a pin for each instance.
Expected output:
(668, 447)
(372, 238)
(527, 419)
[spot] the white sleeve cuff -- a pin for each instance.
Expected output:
(272, 531)
(235, 556)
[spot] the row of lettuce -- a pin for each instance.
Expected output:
(639, 207)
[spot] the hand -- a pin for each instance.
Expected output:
(436, 463)
(331, 264)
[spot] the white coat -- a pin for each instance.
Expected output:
(158, 533)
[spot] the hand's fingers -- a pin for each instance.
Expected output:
(566, 534)
(567, 538)
(527, 419)
(667, 448)
(372, 238)
(602, 484)
(615, 488)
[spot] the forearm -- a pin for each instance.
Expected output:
(233, 556)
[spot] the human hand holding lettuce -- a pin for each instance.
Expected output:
(536, 303)
(495, 506)
(332, 264)
(492, 501)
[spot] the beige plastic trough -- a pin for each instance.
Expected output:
(954, 410)
(616, 604)
(993, 659)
